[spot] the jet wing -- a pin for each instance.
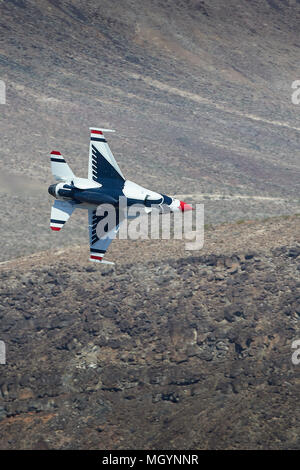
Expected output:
(99, 246)
(102, 163)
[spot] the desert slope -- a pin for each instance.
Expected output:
(169, 349)
(199, 93)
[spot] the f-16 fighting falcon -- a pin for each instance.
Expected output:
(105, 184)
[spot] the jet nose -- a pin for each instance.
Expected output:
(177, 205)
(51, 190)
(185, 207)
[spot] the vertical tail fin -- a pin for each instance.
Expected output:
(60, 169)
(102, 163)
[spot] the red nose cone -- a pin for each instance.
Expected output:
(185, 207)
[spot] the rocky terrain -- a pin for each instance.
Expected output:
(192, 351)
(169, 349)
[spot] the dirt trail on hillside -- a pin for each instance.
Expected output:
(200, 99)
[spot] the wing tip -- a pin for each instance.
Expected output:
(100, 129)
(98, 259)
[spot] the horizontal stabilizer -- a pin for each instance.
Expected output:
(60, 213)
(60, 169)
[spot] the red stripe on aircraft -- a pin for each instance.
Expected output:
(96, 257)
(54, 152)
(96, 132)
(55, 228)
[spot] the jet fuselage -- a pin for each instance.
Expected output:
(109, 193)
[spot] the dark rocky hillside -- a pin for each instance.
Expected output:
(191, 352)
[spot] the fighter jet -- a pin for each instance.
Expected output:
(104, 185)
